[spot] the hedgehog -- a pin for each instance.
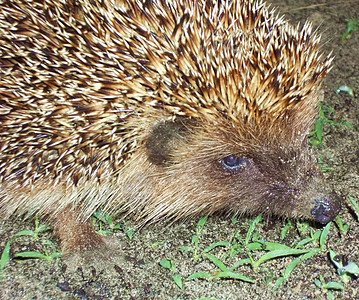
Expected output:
(161, 109)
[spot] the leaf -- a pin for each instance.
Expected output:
(43, 228)
(216, 261)
(285, 230)
(252, 227)
(334, 285)
(177, 278)
(323, 235)
(5, 256)
(254, 246)
(298, 260)
(346, 89)
(31, 254)
(239, 263)
(275, 246)
(118, 226)
(185, 248)
(129, 233)
(316, 235)
(318, 128)
(55, 255)
(233, 275)
(318, 283)
(166, 263)
(25, 233)
(194, 239)
(277, 253)
(279, 281)
(351, 268)
(203, 275)
(303, 242)
(356, 207)
(202, 221)
(217, 244)
(332, 255)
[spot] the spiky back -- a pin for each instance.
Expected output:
(73, 73)
(227, 58)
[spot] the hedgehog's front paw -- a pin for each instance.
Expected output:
(106, 254)
(81, 245)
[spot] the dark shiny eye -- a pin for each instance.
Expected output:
(234, 163)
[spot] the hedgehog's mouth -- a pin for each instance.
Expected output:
(326, 208)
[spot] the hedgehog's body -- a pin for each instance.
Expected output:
(158, 108)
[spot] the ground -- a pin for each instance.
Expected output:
(140, 275)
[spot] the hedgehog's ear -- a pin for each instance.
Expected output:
(164, 136)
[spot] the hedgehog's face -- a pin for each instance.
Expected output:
(198, 169)
(284, 184)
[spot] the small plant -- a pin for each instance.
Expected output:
(251, 245)
(320, 236)
(34, 233)
(106, 219)
(302, 228)
(329, 285)
(194, 241)
(170, 265)
(285, 230)
(322, 167)
(352, 25)
(224, 271)
(317, 135)
(45, 243)
(343, 228)
(345, 89)
(345, 268)
(34, 254)
(355, 206)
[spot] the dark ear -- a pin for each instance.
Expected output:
(164, 136)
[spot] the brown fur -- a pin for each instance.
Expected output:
(128, 106)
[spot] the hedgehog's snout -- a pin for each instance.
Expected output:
(326, 208)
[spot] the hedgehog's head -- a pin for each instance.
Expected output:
(233, 97)
(200, 167)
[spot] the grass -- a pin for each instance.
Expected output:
(104, 220)
(316, 136)
(241, 257)
(45, 243)
(250, 253)
(354, 206)
(35, 236)
(4, 259)
(170, 265)
(352, 25)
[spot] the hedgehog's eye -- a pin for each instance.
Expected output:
(234, 163)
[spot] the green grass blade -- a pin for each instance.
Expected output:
(277, 253)
(233, 275)
(251, 228)
(177, 278)
(324, 235)
(298, 260)
(217, 262)
(202, 275)
(31, 254)
(5, 256)
(239, 263)
(217, 244)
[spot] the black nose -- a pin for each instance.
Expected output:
(326, 208)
